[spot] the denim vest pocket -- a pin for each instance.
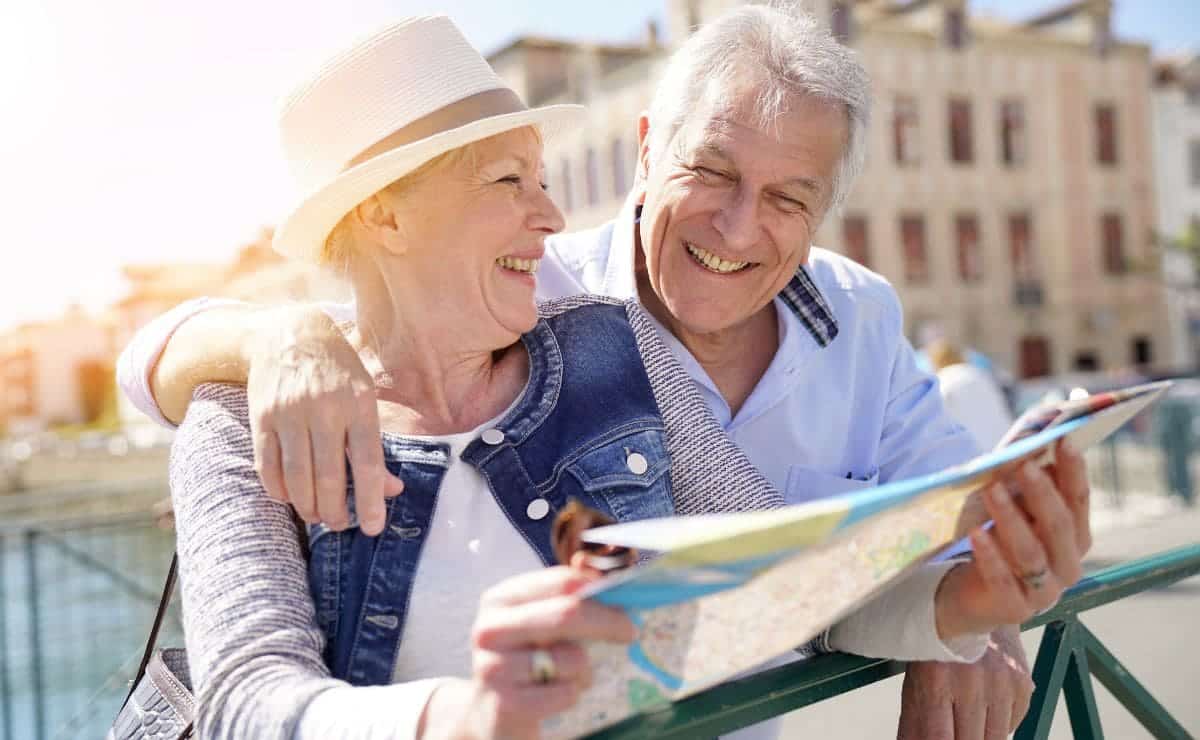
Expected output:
(805, 484)
(629, 472)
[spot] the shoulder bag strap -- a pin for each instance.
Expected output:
(152, 640)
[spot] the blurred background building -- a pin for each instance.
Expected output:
(1009, 193)
(1176, 101)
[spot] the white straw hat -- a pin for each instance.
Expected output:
(381, 109)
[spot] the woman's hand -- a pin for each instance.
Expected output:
(312, 404)
(521, 622)
(1030, 557)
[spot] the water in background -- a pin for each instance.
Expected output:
(76, 603)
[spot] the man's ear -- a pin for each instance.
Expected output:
(376, 220)
(643, 135)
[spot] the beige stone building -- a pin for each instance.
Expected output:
(1009, 190)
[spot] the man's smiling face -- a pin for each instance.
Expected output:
(731, 204)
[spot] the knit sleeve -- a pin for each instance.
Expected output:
(253, 642)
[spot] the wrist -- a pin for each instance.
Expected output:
(951, 613)
(444, 715)
(278, 330)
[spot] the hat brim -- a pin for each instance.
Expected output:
(302, 234)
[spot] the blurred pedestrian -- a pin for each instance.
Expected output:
(971, 394)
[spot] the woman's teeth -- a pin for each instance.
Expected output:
(519, 265)
(712, 261)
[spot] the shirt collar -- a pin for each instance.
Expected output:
(801, 294)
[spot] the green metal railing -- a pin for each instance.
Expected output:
(1068, 657)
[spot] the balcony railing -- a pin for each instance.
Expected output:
(1068, 657)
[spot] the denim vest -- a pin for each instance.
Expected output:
(587, 407)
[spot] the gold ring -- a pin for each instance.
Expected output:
(541, 666)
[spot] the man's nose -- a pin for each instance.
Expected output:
(737, 220)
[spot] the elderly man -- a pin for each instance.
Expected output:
(755, 134)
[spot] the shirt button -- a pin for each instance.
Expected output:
(637, 463)
(493, 437)
(537, 509)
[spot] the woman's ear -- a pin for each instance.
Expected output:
(375, 219)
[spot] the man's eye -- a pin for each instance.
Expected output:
(792, 204)
(707, 173)
(511, 179)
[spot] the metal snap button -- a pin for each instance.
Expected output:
(537, 509)
(637, 463)
(492, 437)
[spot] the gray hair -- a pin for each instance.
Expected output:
(790, 53)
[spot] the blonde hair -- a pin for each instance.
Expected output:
(943, 353)
(339, 244)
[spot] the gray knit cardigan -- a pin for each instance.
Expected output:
(253, 642)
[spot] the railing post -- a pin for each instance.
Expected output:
(1049, 670)
(35, 635)
(6, 658)
(1127, 690)
(1077, 690)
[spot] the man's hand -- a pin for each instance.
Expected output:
(985, 700)
(312, 403)
(1034, 552)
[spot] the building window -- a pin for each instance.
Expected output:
(1142, 352)
(1112, 237)
(620, 168)
(1194, 162)
(855, 239)
(1087, 361)
(961, 146)
(1106, 134)
(841, 21)
(1020, 247)
(1012, 132)
(966, 238)
(593, 177)
(916, 260)
(904, 131)
(565, 191)
(1033, 355)
(956, 28)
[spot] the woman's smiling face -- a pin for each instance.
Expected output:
(474, 227)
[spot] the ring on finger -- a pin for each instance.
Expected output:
(542, 669)
(1035, 580)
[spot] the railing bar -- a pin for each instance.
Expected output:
(1049, 670)
(6, 704)
(1120, 581)
(35, 634)
(1130, 692)
(87, 560)
(746, 701)
(1077, 690)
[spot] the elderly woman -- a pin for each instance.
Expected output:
(423, 180)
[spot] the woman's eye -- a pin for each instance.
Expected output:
(511, 179)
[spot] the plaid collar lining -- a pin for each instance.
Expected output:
(804, 298)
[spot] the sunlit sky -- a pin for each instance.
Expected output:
(143, 130)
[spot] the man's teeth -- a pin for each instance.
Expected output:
(519, 265)
(712, 261)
